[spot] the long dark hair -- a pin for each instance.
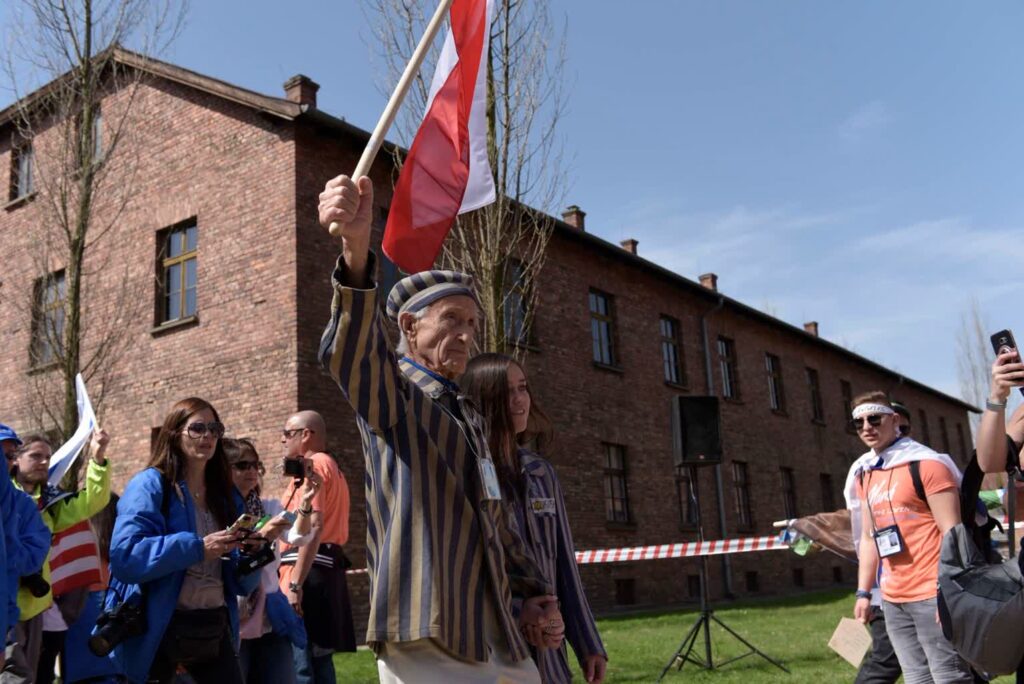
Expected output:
(486, 383)
(168, 458)
(102, 525)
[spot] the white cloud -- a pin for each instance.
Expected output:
(866, 118)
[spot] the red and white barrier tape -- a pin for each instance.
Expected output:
(682, 550)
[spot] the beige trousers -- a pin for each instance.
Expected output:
(412, 662)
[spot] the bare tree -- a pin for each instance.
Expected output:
(503, 245)
(77, 160)
(973, 357)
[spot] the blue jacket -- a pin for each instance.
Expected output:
(147, 549)
(80, 661)
(27, 541)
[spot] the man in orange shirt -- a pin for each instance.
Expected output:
(903, 530)
(313, 575)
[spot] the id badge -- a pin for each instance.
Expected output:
(889, 541)
(489, 479)
(542, 506)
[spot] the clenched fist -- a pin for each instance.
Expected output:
(349, 205)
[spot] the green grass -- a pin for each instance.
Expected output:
(793, 630)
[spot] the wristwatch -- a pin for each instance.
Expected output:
(294, 587)
(863, 594)
(995, 405)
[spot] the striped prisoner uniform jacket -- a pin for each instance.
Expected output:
(434, 546)
(541, 516)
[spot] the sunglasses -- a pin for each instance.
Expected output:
(214, 427)
(288, 434)
(873, 420)
(242, 466)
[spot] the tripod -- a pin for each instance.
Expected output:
(702, 626)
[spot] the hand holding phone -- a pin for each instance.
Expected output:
(245, 524)
(1007, 371)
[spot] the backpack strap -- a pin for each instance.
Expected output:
(915, 476)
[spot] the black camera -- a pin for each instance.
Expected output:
(124, 621)
(295, 467)
(251, 562)
(36, 585)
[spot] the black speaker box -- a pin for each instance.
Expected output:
(696, 440)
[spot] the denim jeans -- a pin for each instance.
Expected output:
(924, 653)
(267, 660)
(880, 666)
(311, 669)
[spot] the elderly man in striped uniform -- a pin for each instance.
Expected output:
(443, 554)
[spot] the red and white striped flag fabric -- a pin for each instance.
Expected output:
(446, 172)
(74, 559)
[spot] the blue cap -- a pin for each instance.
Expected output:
(7, 433)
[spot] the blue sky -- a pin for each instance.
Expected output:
(858, 164)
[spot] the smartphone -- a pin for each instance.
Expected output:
(245, 523)
(263, 521)
(1003, 342)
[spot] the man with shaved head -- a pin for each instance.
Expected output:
(313, 575)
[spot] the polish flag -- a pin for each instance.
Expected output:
(446, 172)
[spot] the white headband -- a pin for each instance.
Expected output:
(869, 409)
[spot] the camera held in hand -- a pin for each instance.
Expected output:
(295, 467)
(251, 562)
(36, 585)
(124, 621)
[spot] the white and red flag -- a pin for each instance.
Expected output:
(74, 559)
(446, 172)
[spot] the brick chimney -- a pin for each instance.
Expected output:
(710, 281)
(574, 216)
(301, 90)
(629, 245)
(811, 327)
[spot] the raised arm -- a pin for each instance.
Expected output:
(1007, 373)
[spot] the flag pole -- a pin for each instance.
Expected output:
(404, 83)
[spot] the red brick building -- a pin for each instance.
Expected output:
(229, 179)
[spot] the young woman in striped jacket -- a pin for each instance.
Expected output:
(497, 383)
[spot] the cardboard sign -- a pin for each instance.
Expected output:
(851, 640)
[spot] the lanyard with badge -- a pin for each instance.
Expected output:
(888, 540)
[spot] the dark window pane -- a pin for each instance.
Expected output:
(191, 238)
(173, 309)
(190, 273)
(174, 244)
(173, 281)
(190, 302)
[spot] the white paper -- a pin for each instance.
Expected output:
(69, 451)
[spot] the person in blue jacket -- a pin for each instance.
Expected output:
(26, 536)
(175, 554)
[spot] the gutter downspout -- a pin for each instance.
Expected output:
(709, 386)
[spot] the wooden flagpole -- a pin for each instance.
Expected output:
(404, 83)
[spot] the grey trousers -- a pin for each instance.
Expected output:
(22, 657)
(924, 653)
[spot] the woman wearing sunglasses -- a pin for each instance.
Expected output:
(498, 385)
(174, 558)
(268, 625)
(901, 531)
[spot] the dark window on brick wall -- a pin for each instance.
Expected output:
(516, 300)
(48, 300)
(22, 171)
(693, 586)
(961, 442)
(741, 490)
(179, 272)
(814, 387)
(846, 389)
(616, 493)
(926, 437)
(944, 435)
(776, 392)
(625, 591)
(828, 499)
(798, 577)
(728, 366)
(686, 484)
(788, 493)
(602, 328)
(671, 351)
(752, 582)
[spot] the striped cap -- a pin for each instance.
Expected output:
(412, 293)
